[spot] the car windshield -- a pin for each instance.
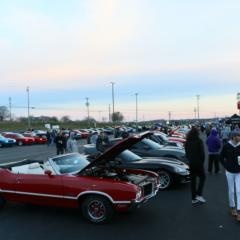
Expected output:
(153, 145)
(1, 136)
(163, 137)
(19, 135)
(72, 163)
(128, 156)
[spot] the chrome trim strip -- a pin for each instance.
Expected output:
(104, 194)
(66, 197)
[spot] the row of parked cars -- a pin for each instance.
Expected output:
(26, 138)
(100, 184)
(167, 159)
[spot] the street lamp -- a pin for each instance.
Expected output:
(109, 112)
(198, 97)
(113, 97)
(10, 108)
(87, 105)
(195, 113)
(169, 116)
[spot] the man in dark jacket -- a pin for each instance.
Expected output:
(195, 155)
(214, 145)
(59, 140)
(230, 159)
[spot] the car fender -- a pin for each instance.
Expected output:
(84, 194)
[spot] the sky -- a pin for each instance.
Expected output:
(165, 51)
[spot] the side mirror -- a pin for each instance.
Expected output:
(48, 172)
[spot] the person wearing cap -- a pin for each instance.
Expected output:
(230, 159)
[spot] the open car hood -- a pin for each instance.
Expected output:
(117, 148)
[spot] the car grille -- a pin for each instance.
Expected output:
(147, 189)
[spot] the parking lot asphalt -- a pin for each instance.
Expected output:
(168, 216)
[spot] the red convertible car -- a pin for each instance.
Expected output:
(98, 187)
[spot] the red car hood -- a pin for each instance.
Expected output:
(117, 148)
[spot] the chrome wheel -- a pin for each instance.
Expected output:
(96, 210)
(165, 179)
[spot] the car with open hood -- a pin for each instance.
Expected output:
(170, 171)
(98, 187)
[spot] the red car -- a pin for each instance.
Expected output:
(20, 139)
(98, 187)
(84, 133)
(37, 139)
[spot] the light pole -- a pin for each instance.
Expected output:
(10, 108)
(113, 110)
(109, 112)
(198, 97)
(87, 105)
(136, 94)
(169, 117)
(28, 106)
(195, 113)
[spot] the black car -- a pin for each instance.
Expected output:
(169, 170)
(160, 139)
(149, 148)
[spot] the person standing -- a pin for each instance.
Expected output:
(230, 159)
(59, 141)
(93, 139)
(214, 145)
(195, 154)
(225, 135)
(49, 138)
(72, 146)
(102, 142)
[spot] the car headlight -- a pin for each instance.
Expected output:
(180, 170)
(138, 195)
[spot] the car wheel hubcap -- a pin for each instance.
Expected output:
(164, 180)
(96, 210)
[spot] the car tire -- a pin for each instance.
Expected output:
(1, 145)
(165, 179)
(20, 143)
(97, 209)
(2, 201)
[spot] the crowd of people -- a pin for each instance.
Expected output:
(223, 147)
(67, 143)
